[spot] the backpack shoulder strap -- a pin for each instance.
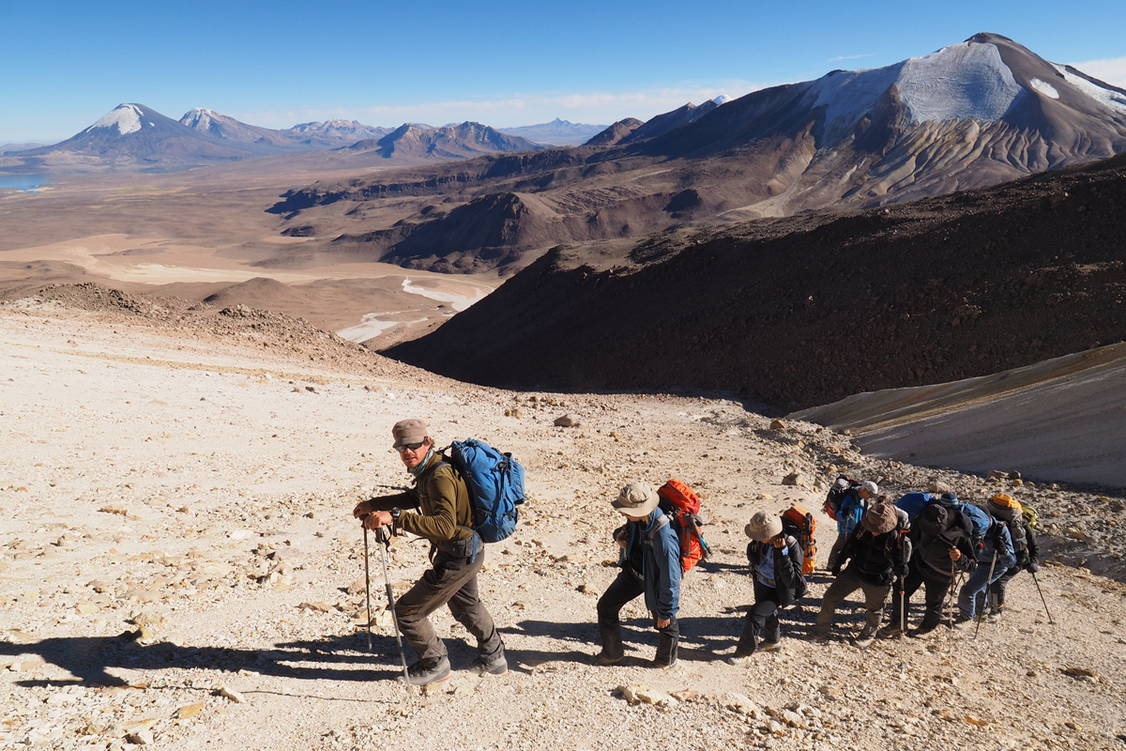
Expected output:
(661, 523)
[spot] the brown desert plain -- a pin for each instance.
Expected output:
(203, 235)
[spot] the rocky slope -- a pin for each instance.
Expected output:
(180, 568)
(806, 310)
(969, 115)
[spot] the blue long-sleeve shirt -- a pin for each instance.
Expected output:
(660, 562)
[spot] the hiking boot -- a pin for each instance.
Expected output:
(770, 646)
(490, 665)
(993, 617)
(922, 630)
(609, 658)
(891, 632)
(820, 638)
(863, 641)
(425, 672)
(738, 660)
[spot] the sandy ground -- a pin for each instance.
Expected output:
(1062, 419)
(196, 495)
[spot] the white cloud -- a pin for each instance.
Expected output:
(840, 58)
(516, 109)
(1111, 70)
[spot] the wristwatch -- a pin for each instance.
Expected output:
(396, 512)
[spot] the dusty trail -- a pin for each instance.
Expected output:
(195, 490)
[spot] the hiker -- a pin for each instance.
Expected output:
(994, 557)
(941, 544)
(776, 571)
(444, 516)
(1004, 506)
(876, 552)
(649, 556)
(848, 512)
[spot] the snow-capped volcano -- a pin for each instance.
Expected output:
(226, 128)
(124, 118)
(986, 78)
(132, 136)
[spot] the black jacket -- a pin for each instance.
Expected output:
(788, 580)
(931, 556)
(875, 559)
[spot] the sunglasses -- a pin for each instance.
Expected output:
(401, 447)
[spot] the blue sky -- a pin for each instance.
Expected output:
(503, 63)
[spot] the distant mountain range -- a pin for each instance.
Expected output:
(133, 137)
(972, 114)
(556, 133)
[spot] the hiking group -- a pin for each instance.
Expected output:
(468, 497)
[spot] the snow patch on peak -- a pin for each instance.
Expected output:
(126, 118)
(1044, 88)
(967, 81)
(1113, 100)
(721, 99)
(199, 118)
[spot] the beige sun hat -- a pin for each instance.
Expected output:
(763, 526)
(636, 499)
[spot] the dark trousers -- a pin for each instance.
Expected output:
(997, 588)
(936, 589)
(761, 620)
(842, 587)
(624, 588)
(452, 580)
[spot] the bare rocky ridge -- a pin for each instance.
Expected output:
(970, 115)
(802, 311)
(180, 568)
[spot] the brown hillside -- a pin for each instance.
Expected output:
(806, 310)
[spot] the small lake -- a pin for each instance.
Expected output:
(23, 182)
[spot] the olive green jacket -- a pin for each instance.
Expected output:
(442, 498)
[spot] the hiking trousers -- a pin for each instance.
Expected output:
(835, 551)
(761, 620)
(936, 589)
(451, 580)
(842, 587)
(624, 588)
(997, 588)
(971, 599)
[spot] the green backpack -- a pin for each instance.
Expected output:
(1029, 515)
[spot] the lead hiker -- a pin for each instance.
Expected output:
(941, 544)
(444, 516)
(649, 557)
(877, 552)
(1004, 506)
(994, 547)
(846, 503)
(776, 570)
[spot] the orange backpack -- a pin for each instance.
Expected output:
(800, 524)
(682, 506)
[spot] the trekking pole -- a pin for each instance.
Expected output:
(367, 582)
(902, 607)
(1037, 583)
(992, 566)
(384, 537)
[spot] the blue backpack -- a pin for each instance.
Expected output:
(496, 487)
(979, 519)
(913, 503)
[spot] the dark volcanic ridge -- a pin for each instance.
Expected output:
(970, 115)
(806, 310)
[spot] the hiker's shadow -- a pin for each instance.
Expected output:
(90, 658)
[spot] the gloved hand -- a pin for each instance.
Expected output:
(1032, 567)
(836, 570)
(903, 571)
